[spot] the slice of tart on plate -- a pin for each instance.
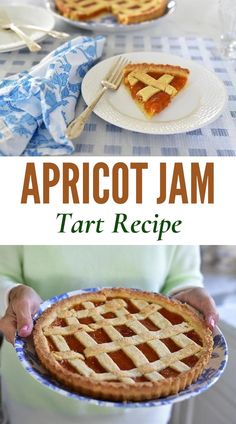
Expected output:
(153, 86)
(122, 344)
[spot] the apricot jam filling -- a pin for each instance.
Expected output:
(109, 315)
(172, 346)
(52, 347)
(191, 360)
(74, 344)
(131, 308)
(65, 364)
(100, 336)
(123, 361)
(94, 14)
(124, 330)
(86, 320)
(149, 324)
(94, 364)
(194, 336)
(157, 103)
(78, 307)
(59, 322)
(160, 100)
(171, 316)
(150, 354)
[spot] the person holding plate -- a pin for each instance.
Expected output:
(29, 274)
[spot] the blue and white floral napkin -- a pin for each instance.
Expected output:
(36, 106)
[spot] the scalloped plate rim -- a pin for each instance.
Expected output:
(20, 344)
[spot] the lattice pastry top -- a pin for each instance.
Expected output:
(131, 345)
(126, 11)
(152, 86)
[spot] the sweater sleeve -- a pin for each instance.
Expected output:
(184, 271)
(10, 273)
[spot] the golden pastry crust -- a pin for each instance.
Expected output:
(159, 84)
(158, 68)
(126, 11)
(124, 385)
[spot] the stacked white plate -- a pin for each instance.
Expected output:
(27, 15)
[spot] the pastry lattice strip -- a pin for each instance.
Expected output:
(126, 6)
(127, 344)
(153, 85)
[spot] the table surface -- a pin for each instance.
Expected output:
(188, 32)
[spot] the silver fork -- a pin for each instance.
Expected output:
(52, 32)
(6, 23)
(111, 81)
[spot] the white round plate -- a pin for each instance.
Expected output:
(27, 355)
(24, 14)
(200, 103)
(108, 23)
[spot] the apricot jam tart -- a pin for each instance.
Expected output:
(154, 86)
(125, 11)
(122, 344)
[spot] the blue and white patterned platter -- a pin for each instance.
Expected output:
(108, 23)
(26, 354)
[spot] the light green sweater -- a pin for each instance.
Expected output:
(51, 270)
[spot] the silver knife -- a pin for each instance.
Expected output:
(6, 23)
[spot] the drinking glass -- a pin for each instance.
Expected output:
(227, 13)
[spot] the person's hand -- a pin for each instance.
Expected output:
(200, 300)
(23, 304)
